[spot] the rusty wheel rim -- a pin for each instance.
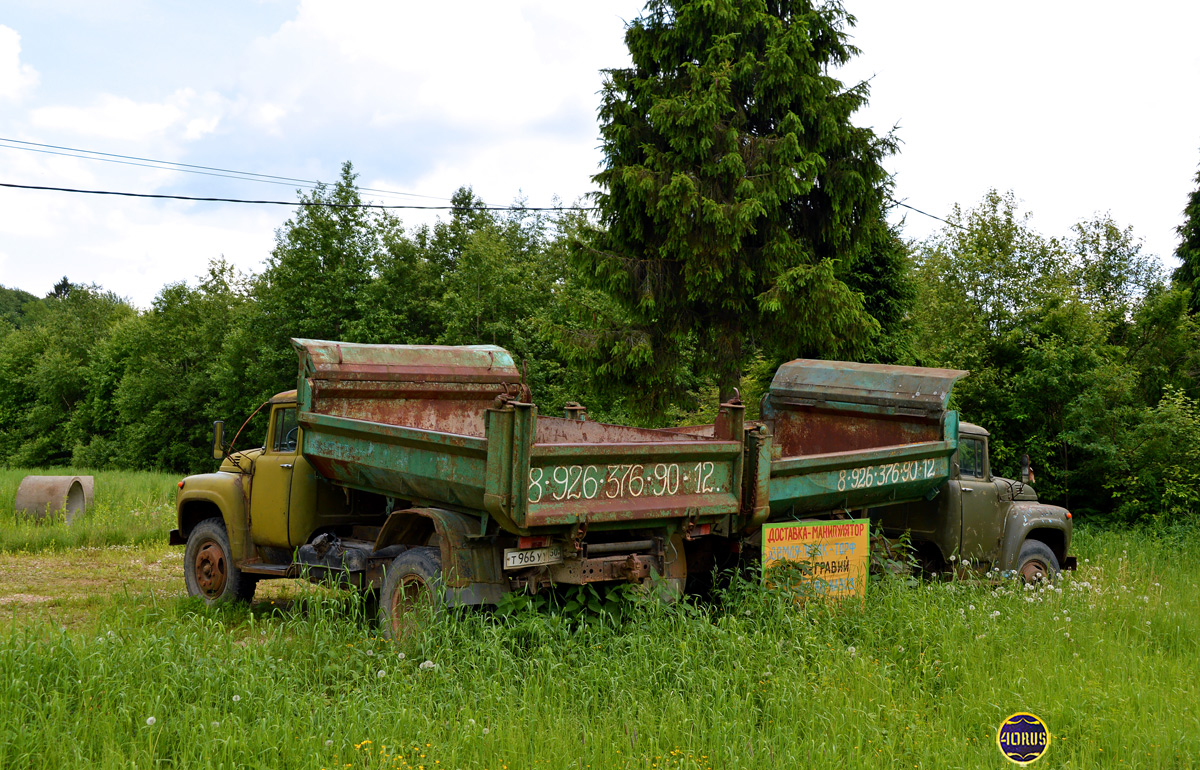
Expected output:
(411, 593)
(1034, 570)
(211, 572)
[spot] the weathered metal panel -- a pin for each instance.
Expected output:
(452, 426)
(849, 436)
(875, 388)
(435, 388)
(406, 463)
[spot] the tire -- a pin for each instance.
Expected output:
(1036, 562)
(208, 568)
(412, 591)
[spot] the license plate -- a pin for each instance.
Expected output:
(516, 558)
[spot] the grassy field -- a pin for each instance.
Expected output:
(105, 663)
(130, 508)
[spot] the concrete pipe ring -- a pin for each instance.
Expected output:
(41, 496)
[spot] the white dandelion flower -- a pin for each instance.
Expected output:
(381, 673)
(428, 665)
(150, 721)
(237, 698)
(400, 655)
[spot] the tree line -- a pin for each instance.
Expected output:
(742, 221)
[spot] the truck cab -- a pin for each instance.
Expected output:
(985, 521)
(246, 520)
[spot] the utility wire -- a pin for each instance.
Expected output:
(295, 203)
(251, 176)
(927, 214)
(168, 165)
(365, 205)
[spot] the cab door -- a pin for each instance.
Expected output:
(272, 488)
(982, 524)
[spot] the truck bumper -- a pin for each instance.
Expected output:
(175, 538)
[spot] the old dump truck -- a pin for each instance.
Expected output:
(846, 436)
(426, 473)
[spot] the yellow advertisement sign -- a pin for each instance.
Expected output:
(823, 558)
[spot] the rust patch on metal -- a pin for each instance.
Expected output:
(211, 570)
(802, 431)
(560, 430)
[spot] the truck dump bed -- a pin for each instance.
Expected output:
(846, 436)
(452, 427)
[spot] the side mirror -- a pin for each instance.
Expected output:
(219, 440)
(1025, 469)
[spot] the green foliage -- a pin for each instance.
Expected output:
(581, 605)
(1071, 345)
(1157, 463)
(12, 305)
(1187, 275)
(736, 197)
(48, 365)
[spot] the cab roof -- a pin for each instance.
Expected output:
(286, 397)
(973, 429)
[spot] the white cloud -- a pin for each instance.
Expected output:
(185, 112)
(16, 79)
(499, 66)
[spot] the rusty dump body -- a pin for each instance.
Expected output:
(846, 436)
(452, 427)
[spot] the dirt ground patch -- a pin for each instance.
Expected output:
(69, 589)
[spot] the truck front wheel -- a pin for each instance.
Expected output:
(1036, 562)
(208, 568)
(412, 588)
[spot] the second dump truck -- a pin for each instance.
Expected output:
(427, 474)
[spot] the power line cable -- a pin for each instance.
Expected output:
(927, 214)
(294, 203)
(249, 176)
(484, 207)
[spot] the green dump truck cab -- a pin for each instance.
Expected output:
(987, 522)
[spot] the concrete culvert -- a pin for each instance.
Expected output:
(42, 496)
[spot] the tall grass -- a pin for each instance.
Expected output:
(131, 507)
(921, 674)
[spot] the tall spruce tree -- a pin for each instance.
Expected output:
(1188, 251)
(736, 194)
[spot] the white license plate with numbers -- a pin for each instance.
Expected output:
(516, 558)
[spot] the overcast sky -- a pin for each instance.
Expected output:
(1077, 107)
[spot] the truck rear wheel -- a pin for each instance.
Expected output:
(208, 568)
(412, 591)
(1036, 562)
